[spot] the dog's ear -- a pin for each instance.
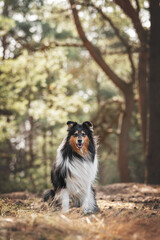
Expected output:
(70, 125)
(89, 125)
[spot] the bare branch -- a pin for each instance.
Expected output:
(121, 52)
(106, 18)
(6, 112)
(95, 52)
(117, 32)
(133, 15)
(59, 44)
(49, 45)
(138, 6)
(132, 66)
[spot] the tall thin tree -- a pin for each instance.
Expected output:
(153, 157)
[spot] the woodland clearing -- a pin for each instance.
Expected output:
(128, 211)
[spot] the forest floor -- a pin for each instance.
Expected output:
(128, 211)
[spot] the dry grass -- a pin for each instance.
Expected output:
(128, 211)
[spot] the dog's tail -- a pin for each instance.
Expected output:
(47, 194)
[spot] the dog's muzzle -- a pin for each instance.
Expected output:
(79, 143)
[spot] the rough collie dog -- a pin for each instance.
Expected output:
(75, 169)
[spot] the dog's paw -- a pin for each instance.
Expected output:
(97, 209)
(90, 211)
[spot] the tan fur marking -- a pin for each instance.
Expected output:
(72, 142)
(85, 145)
(84, 149)
(76, 132)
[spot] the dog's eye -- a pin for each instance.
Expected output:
(75, 135)
(83, 134)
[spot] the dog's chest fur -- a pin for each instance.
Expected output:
(82, 175)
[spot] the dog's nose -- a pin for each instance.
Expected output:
(79, 140)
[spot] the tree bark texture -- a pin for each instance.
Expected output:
(153, 157)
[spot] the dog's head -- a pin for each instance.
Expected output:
(80, 136)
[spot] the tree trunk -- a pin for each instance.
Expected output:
(44, 153)
(143, 93)
(4, 38)
(153, 157)
(123, 140)
(51, 144)
(30, 139)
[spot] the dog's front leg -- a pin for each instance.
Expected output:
(90, 204)
(64, 200)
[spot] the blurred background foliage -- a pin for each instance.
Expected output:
(48, 78)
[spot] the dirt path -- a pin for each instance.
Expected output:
(128, 211)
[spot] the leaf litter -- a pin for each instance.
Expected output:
(128, 212)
